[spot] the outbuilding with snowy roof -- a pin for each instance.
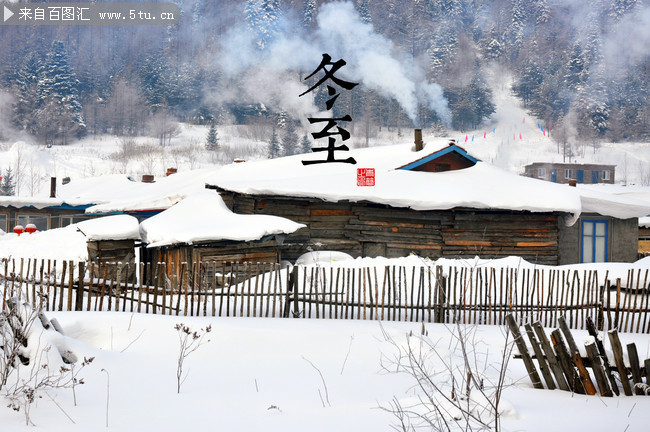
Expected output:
(201, 228)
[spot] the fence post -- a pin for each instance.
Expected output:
(78, 305)
(294, 287)
(439, 299)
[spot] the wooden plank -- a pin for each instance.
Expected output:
(565, 360)
(573, 348)
(536, 244)
(523, 350)
(591, 328)
(584, 375)
(617, 349)
(598, 368)
(477, 243)
(541, 360)
(633, 357)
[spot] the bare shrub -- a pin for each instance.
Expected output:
(457, 388)
(189, 341)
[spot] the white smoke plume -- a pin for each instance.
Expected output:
(270, 76)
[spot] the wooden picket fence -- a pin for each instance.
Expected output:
(482, 295)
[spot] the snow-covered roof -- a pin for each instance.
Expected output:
(36, 202)
(118, 193)
(637, 195)
(204, 217)
(70, 242)
(482, 186)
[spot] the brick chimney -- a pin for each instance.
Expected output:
(52, 187)
(419, 144)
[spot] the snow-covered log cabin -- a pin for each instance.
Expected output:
(442, 203)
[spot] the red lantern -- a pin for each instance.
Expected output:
(18, 229)
(31, 228)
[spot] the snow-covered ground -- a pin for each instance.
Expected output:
(288, 375)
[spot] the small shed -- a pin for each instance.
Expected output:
(201, 228)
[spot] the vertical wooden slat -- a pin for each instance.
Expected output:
(584, 375)
(350, 294)
(617, 349)
(362, 301)
(551, 358)
(599, 370)
(573, 347)
(565, 360)
(543, 365)
(4, 290)
(633, 357)
(617, 321)
(100, 300)
(646, 297)
(186, 287)
(523, 350)
(591, 328)
(70, 283)
(141, 286)
(42, 292)
(90, 285)
(62, 286)
(49, 280)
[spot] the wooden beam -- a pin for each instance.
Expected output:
(620, 364)
(523, 350)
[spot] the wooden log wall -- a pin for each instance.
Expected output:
(112, 251)
(369, 229)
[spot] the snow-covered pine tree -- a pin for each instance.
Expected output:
(7, 185)
(576, 69)
(290, 140)
(274, 146)
(263, 19)
(282, 120)
(28, 95)
(61, 104)
(309, 10)
(305, 144)
(212, 140)
(364, 11)
(156, 82)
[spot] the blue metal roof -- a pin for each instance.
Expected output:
(450, 148)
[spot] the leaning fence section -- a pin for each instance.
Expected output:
(472, 295)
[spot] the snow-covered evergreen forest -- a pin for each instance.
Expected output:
(576, 64)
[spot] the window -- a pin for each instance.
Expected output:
(69, 220)
(605, 174)
(594, 241)
(42, 222)
(541, 172)
(4, 222)
(567, 173)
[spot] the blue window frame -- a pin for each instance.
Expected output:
(595, 236)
